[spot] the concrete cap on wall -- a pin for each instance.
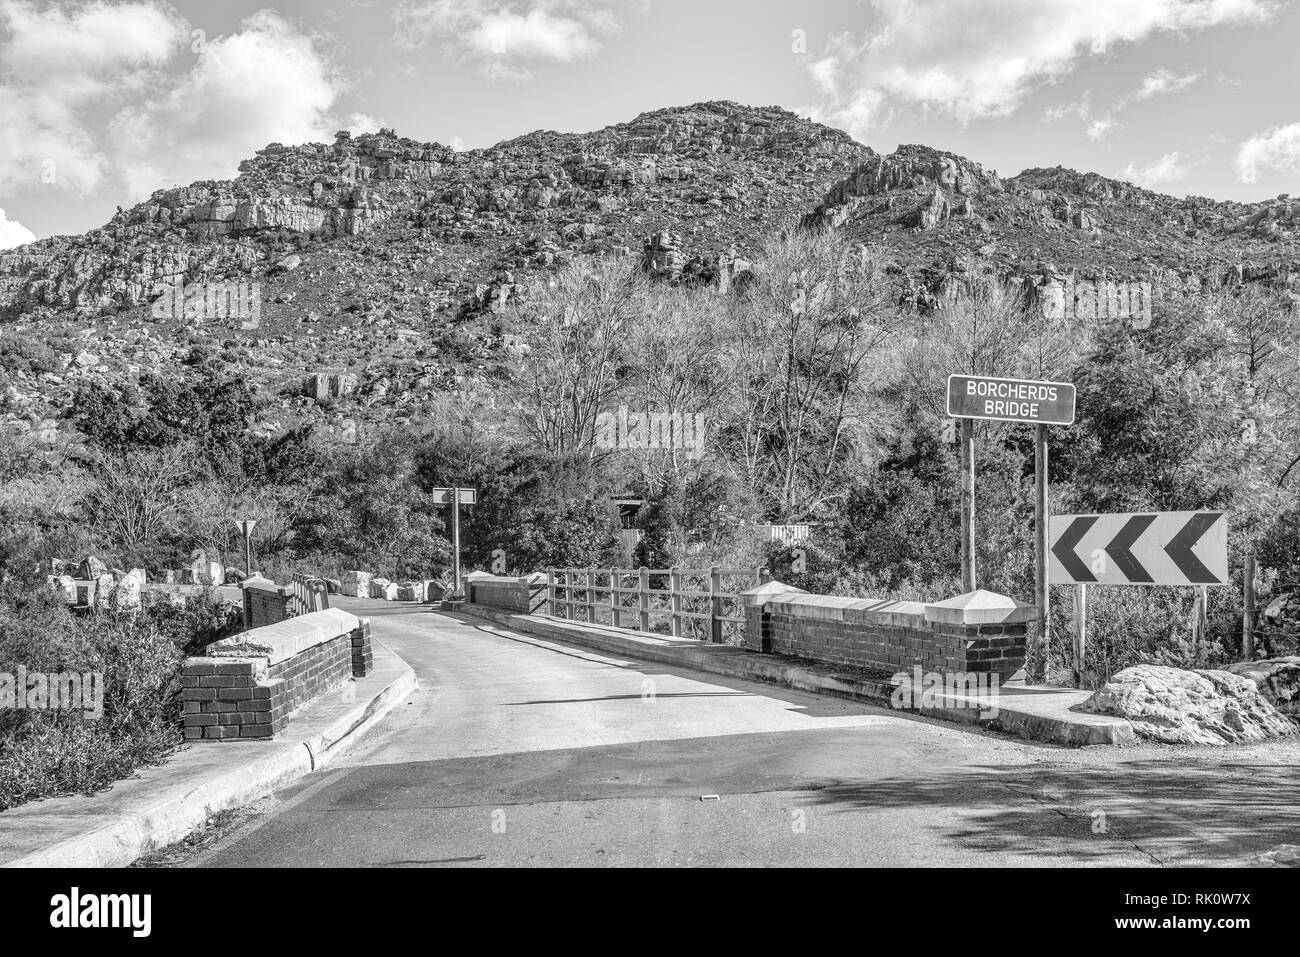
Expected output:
(475, 576)
(980, 607)
(535, 578)
(768, 591)
(257, 581)
(284, 639)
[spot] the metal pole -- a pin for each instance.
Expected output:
(968, 505)
(715, 605)
(248, 550)
(1080, 630)
(1248, 615)
(455, 540)
(1042, 596)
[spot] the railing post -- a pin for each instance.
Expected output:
(550, 591)
(613, 597)
(715, 602)
(591, 596)
(675, 586)
(644, 592)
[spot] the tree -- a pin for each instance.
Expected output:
(800, 339)
(573, 328)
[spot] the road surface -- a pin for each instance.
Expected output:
(522, 751)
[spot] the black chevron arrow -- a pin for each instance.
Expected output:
(1065, 546)
(1120, 548)
(1180, 549)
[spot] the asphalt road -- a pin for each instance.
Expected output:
(520, 751)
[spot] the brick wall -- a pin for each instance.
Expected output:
(526, 596)
(363, 660)
(980, 632)
(265, 603)
(248, 686)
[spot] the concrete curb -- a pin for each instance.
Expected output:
(1085, 730)
(133, 835)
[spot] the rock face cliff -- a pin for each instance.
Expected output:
(382, 264)
(385, 259)
(926, 209)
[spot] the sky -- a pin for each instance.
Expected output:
(101, 103)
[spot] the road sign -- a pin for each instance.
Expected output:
(1010, 400)
(455, 497)
(465, 496)
(246, 526)
(1152, 548)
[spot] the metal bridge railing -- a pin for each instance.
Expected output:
(683, 602)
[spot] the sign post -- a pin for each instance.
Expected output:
(1035, 402)
(455, 497)
(245, 527)
(1080, 629)
(967, 505)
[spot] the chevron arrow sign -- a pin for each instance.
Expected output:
(1151, 548)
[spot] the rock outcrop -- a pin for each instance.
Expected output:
(1278, 681)
(1174, 706)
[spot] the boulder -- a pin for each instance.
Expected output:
(435, 590)
(103, 590)
(1174, 706)
(126, 596)
(410, 591)
(65, 586)
(377, 587)
(209, 573)
(356, 584)
(91, 568)
(333, 586)
(1278, 681)
(234, 576)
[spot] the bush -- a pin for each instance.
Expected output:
(46, 752)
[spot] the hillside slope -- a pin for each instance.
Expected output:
(382, 260)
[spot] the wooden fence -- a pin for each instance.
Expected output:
(682, 602)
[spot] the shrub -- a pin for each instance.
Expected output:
(46, 752)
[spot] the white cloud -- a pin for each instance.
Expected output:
(981, 58)
(1277, 148)
(92, 90)
(1170, 168)
(59, 65)
(504, 35)
(1101, 127)
(1081, 108)
(14, 233)
(359, 123)
(1164, 81)
(266, 83)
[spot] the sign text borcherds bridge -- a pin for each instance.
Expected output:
(1010, 400)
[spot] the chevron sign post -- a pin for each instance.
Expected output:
(1152, 548)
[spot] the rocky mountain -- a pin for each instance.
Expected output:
(381, 262)
(926, 210)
